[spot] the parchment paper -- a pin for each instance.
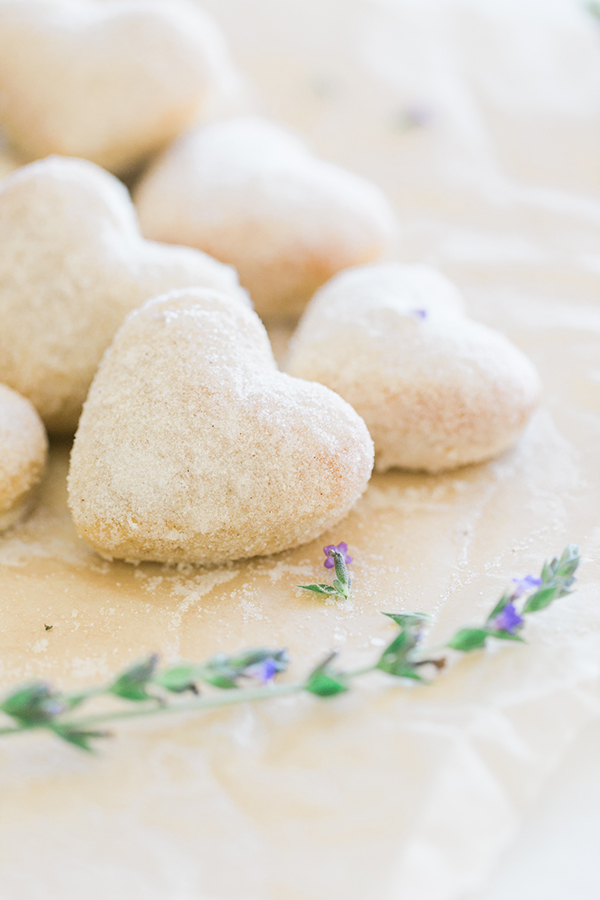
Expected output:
(439, 793)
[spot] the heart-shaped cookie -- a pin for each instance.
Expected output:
(72, 265)
(23, 447)
(251, 194)
(108, 81)
(193, 447)
(436, 389)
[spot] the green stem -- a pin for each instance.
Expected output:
(356, 673)
(88, 694)
(12, 730)
(229, 698)
(426, 652)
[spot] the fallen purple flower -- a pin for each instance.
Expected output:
(264, 671)
(341, 548)
(508, 620)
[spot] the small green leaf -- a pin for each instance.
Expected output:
(408, 671)
(324, 681)
(468, 639)
(395, 659)
(79, 737)
(34, 704)
(507, 636)
(179, 678)
(341, 589)
(218, 672)
(569, 561)
(221, 681)
(500, 605)
(318, 588)
(544, 597)
(74, 700)
(408, 620)
(133, 682)
(557, 578)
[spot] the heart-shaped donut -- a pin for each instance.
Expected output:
(72, 265)
(108, 81)
(23, 447)
(436, 389)
(193, 447)
(251, 194)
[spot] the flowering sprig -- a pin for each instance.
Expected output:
(335, 557)
(529, 595)
(223, 680)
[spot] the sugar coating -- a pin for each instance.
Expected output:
(23, 449)
(193, 447)
(251, 194)
(436, 389)
(72, 265)
(112, 82)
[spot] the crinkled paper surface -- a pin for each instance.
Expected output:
(484, 786)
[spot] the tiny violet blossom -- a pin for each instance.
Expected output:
(522, 585)
(341, 548)
(264, 671)
(508, 620)
(419, 313)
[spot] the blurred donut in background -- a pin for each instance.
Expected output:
(111, 82)
(251, 194)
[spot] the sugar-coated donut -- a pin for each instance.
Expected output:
(72, 265)
(436, 389)
(112, 82)
(23, 448)
(193, 447)
(251, 194)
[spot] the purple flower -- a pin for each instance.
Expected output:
(264, 671)
(341, 548)
(522, 585)
(419, 313)
(508, 620)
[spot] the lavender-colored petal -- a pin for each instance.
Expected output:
(329, 559)
(342, 548)
(527, 583)
(264, 671)
(508, 620)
